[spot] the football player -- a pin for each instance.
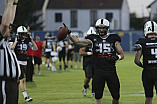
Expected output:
(62, 53)
(88, 63)
(20, 47)
(147, 47)
(106, 51)
(48, 48)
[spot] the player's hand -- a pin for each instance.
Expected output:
(16, 37)
(113, 58)
(29, 36)
(69, 31)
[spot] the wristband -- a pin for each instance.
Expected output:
(70, 34)
(89, 53)
(15, 3)
(119, 57)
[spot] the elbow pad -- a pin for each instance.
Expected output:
(137, 47)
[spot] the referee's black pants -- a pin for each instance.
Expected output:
(9, 91)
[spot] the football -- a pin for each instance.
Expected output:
(62, 33)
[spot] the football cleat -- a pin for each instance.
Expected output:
(84, 92)
(92, 94)
(27, 99)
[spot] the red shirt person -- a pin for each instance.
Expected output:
(38, 53)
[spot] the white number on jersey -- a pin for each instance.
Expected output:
(104, 48)
(154, 52)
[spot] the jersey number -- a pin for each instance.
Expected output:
(104, 48)
(154, 52)
(23, 47)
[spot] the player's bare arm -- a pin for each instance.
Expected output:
(14, 10)
(35, 48)
(14, 45)
(83, 52)
(7, 18)
(66, 44)
(119, 50)
(54, 47)
(80, 42)
(138, 57)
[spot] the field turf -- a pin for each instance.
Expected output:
(65, 87)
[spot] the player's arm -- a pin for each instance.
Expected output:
(66, 44)
(35, 48)
(119, 51)
(80, 42)
(138, 57)
(44, 44)
(7, 18)
(32, 41)
(54, 47)
(83, 52)
(14, 45)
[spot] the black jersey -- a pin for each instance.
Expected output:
(49, 42)
(103, 49)
(62, 44)
(149, 50)
(70, 49)
(21, 49)
(88, 60)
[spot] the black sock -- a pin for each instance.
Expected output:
(60, 67)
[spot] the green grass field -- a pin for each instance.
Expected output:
(65, 87)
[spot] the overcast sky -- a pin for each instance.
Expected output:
(139, 6)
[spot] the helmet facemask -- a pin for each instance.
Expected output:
(102, 30)
(102, 27)
(23, 35)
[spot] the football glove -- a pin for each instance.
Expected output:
(114, 58)
(30, 37)
(69, 31)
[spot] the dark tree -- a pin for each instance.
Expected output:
(136, 23)
(26, 15)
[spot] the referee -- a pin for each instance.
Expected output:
(9, 67)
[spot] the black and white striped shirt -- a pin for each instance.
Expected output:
(9, 67)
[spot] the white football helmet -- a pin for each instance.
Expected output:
(21, 29)
(59, 48)
(54, 59)
(22, 32)
(150, 27)
(91, 31)
(102, 27)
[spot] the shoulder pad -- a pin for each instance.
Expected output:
(116, 37)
